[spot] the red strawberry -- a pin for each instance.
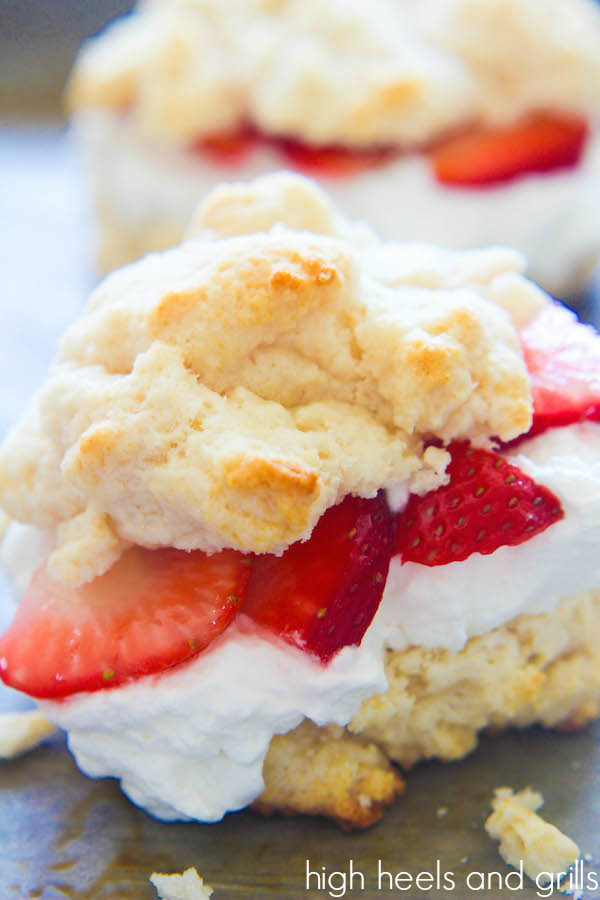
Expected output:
(540, 143)
(321, 595)
(487, 504)
(333, 161)
(563, 358)
(225, 148)
(151, 610)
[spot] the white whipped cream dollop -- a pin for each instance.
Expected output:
(552, 218)
(190, 742)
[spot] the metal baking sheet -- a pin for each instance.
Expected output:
(64, 835)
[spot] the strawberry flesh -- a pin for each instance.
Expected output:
(487, 504)
(333, 161)
(151, 610)
(540, 143)
(231, 148)
(321, 595)
(563, 359)
(228, 148)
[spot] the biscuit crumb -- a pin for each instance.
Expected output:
(22, 731)
(189, 886)
(525, 837)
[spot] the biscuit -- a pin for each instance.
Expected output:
(341, 73)
(22, 731)
(227, 392)
(187, 886)
(525, 838)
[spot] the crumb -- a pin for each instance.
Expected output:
(23, 731)
(441, 812)
(464, 860)
(575, 893)
(525, 837)
(188, 886)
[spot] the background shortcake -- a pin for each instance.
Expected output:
(460, 122)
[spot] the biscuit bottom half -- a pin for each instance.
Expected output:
(537, 669)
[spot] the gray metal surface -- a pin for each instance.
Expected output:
(64, 835)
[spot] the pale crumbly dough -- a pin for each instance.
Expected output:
(524, 54)
(241, 207)
(227, 392)
(23, 731)
(355, 73)
(526, 837)
(541, 669)
(297, 202)
(188, 886)
(245, 207)
(326, 771)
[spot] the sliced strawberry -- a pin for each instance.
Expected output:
(333, 161)
(321, 595)
(151, 610)
(540, 143)
(563, 359)
(487, 504)
(225, 148)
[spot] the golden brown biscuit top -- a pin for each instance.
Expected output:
(226, 392)
(352, 73)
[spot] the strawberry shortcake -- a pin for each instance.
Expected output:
(296, 509)
(465, 123)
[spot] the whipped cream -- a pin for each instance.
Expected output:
(190, 742)
(553, 219)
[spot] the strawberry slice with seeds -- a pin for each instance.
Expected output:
(563, 359)
(151, 610)
(487, 504)
(487, 156)
(321, 595)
